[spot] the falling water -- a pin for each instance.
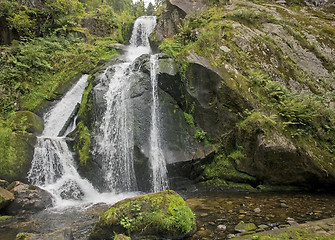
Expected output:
(115, 137)
(157, 159)
(53, 167)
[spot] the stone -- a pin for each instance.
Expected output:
(59, 234)
(263, 226)
(28, 198)
(222, 227)
(6, 198)
(19, 163)
(165, 212)
(283, 205)
(3, 183)
(243, 227)
(28, 121)
(257, 210)
(225, 49)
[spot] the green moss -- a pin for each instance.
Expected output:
(159, 214)
(84, 143)
(223, 168)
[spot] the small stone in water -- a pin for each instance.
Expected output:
(283, 205)
(257, 210)
(203, 214)
(263, 226)
(222, 227)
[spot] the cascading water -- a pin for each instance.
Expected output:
(114, 138)
(157, 159)
(53, 167)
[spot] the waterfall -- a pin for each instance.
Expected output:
(53, 167)
(157, 160)
(114, 138)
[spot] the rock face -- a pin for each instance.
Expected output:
(165, 212)
(28, 198)
(173, 13)
(178, 143)
(218, 87)
(96, 26)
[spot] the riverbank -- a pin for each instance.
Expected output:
(322, 229)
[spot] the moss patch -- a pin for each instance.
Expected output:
(158, 214)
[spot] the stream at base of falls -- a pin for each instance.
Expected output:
(211, 210)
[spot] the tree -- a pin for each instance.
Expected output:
(139, 9)
(150, 9)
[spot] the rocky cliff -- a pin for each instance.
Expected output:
(258, 80)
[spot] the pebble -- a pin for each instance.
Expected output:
(222, 227)
(257, 210)
(203, 214)
(263, 226)
(292, 223)
(211, 223)
(283, 205)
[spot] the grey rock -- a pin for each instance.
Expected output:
(28, 198)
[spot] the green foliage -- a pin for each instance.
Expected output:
(153, 214)
(189, 119)
(83, 145)
(31, 71)
(200, 135)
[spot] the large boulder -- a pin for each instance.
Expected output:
(18, 160)
(28, 121)
(28, 198)
(6, 198)
(177, 140)
(163, 215)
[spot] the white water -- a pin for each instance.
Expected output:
(157, 159)
(53, 167)
(115, 136)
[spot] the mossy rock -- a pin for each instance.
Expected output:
(163, 215)
(19, 153)
(28, 121)
(6, 197)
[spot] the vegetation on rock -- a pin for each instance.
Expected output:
(278, 59)
(163, 214)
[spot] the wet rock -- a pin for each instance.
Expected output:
(263, 226)
(6, 198)
(28, 198)
(4, 183)
(60, 234)
(283, 205)
(71, 190)
(257, 210)
(165, 212)
(222, 227)
(243, 227)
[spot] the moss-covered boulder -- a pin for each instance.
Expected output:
(163, 215)
(28, 121)
(16, 154)
(6, 198)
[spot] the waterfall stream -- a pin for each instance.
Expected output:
(53, 167)
(157, 159)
